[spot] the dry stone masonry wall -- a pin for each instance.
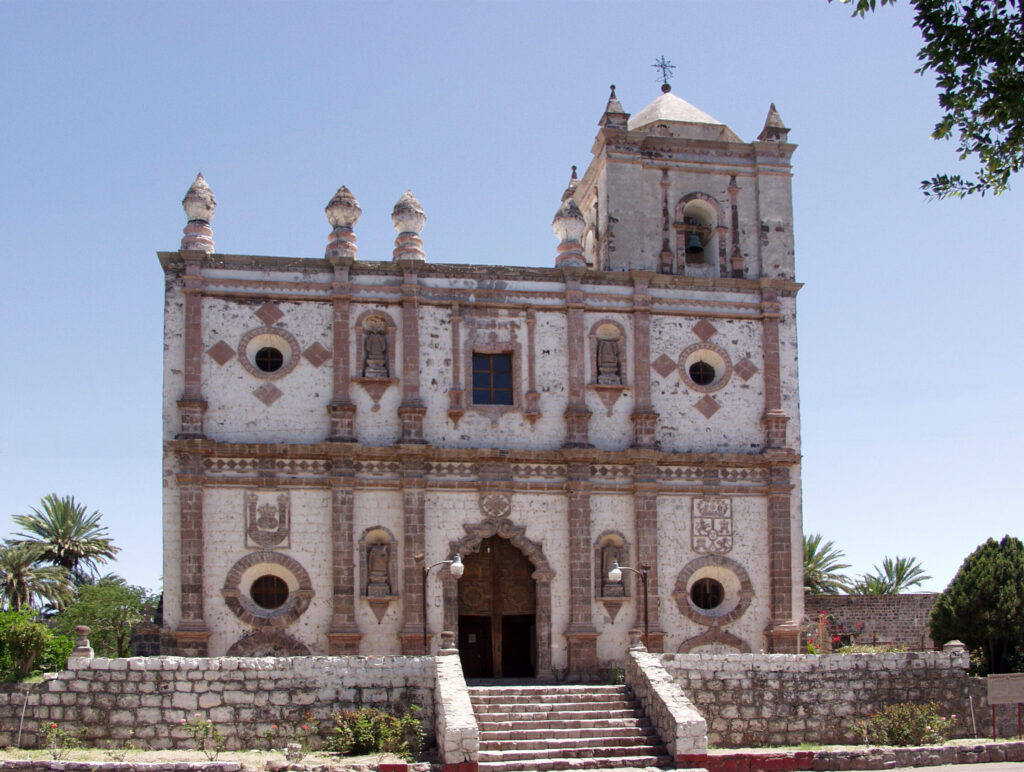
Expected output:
(749, 700)
(243, 697)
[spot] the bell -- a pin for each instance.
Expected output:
(693, 245)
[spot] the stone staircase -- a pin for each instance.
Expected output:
(538, 728)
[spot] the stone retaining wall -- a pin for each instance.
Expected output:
(751, 700)
(243, 696)
(681, 727)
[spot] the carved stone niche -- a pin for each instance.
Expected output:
(607, 343)
(378, 569)
(611, 547)
(375, 354)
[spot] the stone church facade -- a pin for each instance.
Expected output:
(334, 425)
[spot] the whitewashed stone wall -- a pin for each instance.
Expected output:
(751, 700)
(243, 697)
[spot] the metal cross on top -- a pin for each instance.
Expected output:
(666, 68)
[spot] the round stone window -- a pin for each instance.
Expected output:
(268, 352)
(269, 592)
(705, 367)
(707, 593)
(267, 588)
(713, 590)
(269, 359)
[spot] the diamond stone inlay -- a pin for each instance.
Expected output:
(745, 369)
(707, 406)
(663, 365)
(268, 394)
(317, 354)
(269, 313)
(704, 329)
(221, 353)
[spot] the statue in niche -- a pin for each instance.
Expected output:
(609, 365)
(378, 558)
(375, 352)
(610, 554)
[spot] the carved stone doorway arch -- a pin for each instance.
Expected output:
(541, 576)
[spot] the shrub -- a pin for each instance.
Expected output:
(23, 641)
(368, 730)
(905, 724)
(205, 735)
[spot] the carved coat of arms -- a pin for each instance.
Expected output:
(267, 520)
(712, 526)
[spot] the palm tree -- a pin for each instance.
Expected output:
(70, 538)
(23, 580)
(895, 576)
(822, 567)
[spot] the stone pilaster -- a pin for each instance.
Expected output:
(644, 418)
(577, 416)
(191, 634)
(775, 418)
(783, 632)
(412, 410)
(413, 483)
(192, 406)
(341, 410)
(343, 635)
(581, 633)
(645, 515)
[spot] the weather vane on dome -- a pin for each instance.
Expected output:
(666, 67)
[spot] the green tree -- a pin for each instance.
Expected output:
(25, 583)
(976, 50)
(110, 608)
(822, 567)
(70, 537)
(895, 576)
(984, 604)
(22, 640)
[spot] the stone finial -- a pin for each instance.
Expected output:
(614, 116)
(569, 226)
(774, 129)
(82, 647)
(448, 646)
(574, 182)
(636, 640)
(408, 219)
(342, 213)
(199, 205)
(956, 647)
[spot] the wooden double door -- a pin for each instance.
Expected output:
(498, 612)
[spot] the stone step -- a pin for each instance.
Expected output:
(568, 743)
(559, 699)
(529, 723)
(595, 763)
(558, 715)
(638, 729)
(605, 752)
(549, 689)
(535, 707)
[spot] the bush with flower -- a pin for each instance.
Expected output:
(906, 723)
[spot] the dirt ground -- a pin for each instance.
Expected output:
(257, 761)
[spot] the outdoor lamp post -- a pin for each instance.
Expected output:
(615, 575)
(457, 569)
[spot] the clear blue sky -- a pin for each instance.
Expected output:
(909, 322)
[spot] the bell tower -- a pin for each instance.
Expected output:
(673, 190)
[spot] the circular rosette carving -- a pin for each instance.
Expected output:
(496, 505)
